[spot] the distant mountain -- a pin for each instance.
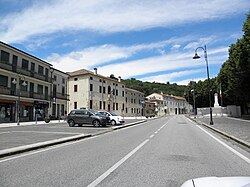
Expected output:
(149, 88)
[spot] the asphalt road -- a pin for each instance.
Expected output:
(162, 152)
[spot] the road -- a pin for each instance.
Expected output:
(162, 152)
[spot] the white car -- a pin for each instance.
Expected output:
(218, 182)
(114, 118)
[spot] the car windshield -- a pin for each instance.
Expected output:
(113, 114)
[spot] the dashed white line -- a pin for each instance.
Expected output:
(114, 167)
(152, 136)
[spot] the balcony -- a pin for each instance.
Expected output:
(62, 96)
(5, 90)
(6, 65)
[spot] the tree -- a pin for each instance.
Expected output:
(235, 72)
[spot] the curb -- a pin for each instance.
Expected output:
(25, 148)
(242, 142)
(30, 147)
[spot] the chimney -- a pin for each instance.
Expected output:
(95, 71)
(119, 79)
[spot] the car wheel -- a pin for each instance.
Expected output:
(113, 122)
(71, 123)
(96, 123)
(80, 125)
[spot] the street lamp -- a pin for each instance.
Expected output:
(196, 56)
(19, 95)
(51, 90)
(192, 91)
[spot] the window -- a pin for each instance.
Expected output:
(62, 110)
(109, 90)
(104, 105)
(3, 81)
(75, 79)
(91, 78)
(113, 106)
(91, 87)
(131, 100)
(46, 92)
(90, 104)
(5, 56)
(116, 92)
(40, 69)
(55, 77)
(122, 93)
(25, 64)
(63, 80)
(123, 106)
(75, 88)
(40, 89)
(134, 100)
(63, 90)
(104, 90)
(100, 105)
(32, 66)
(126, 110)
(126, 99)
(100, 80)
(75, 105)
(132, 110)
(116, 106)
(104, 81)
(14, 60)
(100, 89)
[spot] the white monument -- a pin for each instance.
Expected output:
(216, 104)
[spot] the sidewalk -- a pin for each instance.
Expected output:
(234, 128)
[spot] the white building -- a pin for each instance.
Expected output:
(169, 104)
(91, 90)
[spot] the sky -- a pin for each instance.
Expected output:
(150, 40)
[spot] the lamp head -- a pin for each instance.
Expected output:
(196, 56)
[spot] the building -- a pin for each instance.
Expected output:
(133, 102)
(91, 90)
(149, 109)
(25, 85)
(59, 94)
(169, 104)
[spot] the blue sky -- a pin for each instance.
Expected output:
(144, 39)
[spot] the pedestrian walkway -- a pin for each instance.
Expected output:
(234, 127)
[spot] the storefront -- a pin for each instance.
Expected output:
(41, 109)
(7, 111)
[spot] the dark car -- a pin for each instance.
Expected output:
(84, 116)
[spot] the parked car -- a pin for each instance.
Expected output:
(114, 118)
(84, 116)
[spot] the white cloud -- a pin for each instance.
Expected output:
(171, 76)
(108, 16)
(186, 81)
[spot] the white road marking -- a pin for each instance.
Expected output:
(4, 132)
(225, 145)
(114, 167)
(47, 132)
(152, 136)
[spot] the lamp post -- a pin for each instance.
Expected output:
(192, 91)
(51, 90)
(196, 56)
(19, 95)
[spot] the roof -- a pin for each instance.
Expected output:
(179, 98)
(129, 89)
(85, 72)
(25, 53)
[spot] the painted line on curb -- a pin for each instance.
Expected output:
(226, 146)
(114, 167)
